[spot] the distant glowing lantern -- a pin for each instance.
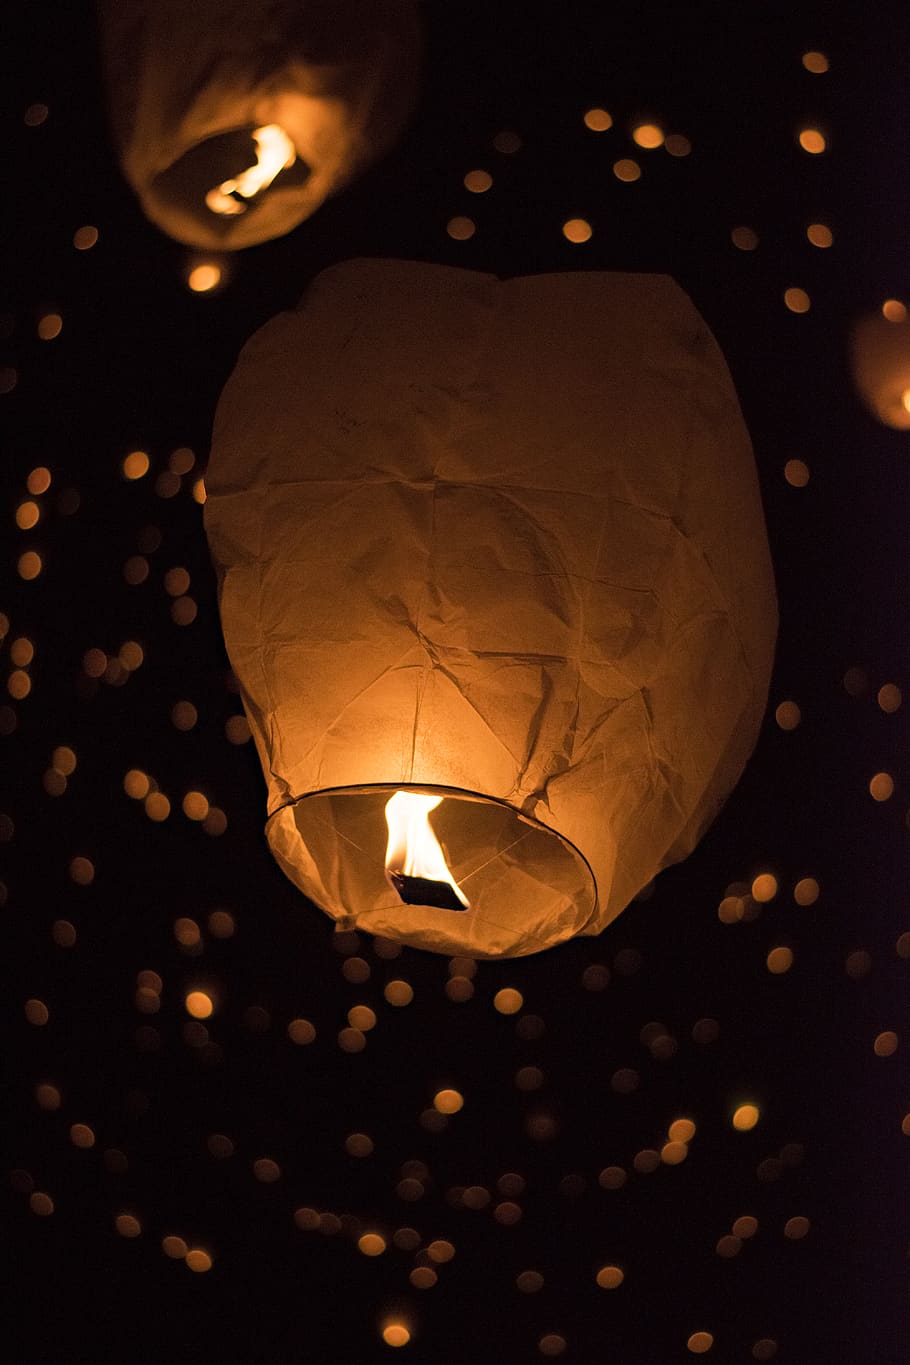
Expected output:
(234, 121)
(493, 573)
(881, 364)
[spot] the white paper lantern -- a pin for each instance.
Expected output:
(498, 542)
(235, 119)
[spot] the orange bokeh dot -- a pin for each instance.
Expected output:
(796, 472)
(673, 1153)
(820, 234)
(626, 169)
(204, 277)
(50, 326)
(398, 993)
(39, 480)
(577, 230)
(460, 228)
(806, 891)
(448, 1101)
(889, 698)
(779, 960)
(396, 1334)
(648, 135)
(478, 182)
(29, 565)
(885, 1044)
(797, 300)
(598, 120)
(199, 1004)
(881, 787)
(508, 1001)
(84, 238)
(198, 1260)
(764, 887)
(745, 1117)
(135, 465)
(700, 1342)
(745, 238)
(812, 140)
(681, 1130)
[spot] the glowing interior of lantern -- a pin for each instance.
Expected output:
(413, 848)
(905, 400)
(275, 152)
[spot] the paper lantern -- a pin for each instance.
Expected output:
(881, 364)
(235, 119)
(498, 546)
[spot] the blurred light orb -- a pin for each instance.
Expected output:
(648, 135)
(448, 1101)
(745, 1117)
(577, 230)
(396, 1334)
(199, 1004)
(812, 140)
(797, 300)
(598, 120)
(204, 277)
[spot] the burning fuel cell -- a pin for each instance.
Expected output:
(494, 579)
(415, 863)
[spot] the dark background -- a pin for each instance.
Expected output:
(139, 363)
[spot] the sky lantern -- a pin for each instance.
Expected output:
(495, 583)
(881, 364)
(235, 120)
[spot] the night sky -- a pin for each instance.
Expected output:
(273, 1181)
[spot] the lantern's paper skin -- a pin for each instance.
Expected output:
(881, 368)
(501, 538)
(338, 76)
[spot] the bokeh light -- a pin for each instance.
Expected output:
(745, 1117)
(448, 1101)
(626, 169)
(812, 140)
(395, 1334)
(648, 135)
(577, 230)
(199, 1004)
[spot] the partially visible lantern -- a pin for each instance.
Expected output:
(235, 119)
(881, 364)
(497, 547)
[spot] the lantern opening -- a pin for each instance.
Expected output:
(275, 152)
(415, 864)
(228, 175)
(519, 886)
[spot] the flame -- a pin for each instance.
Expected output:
(275, 152)
(413, 848)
